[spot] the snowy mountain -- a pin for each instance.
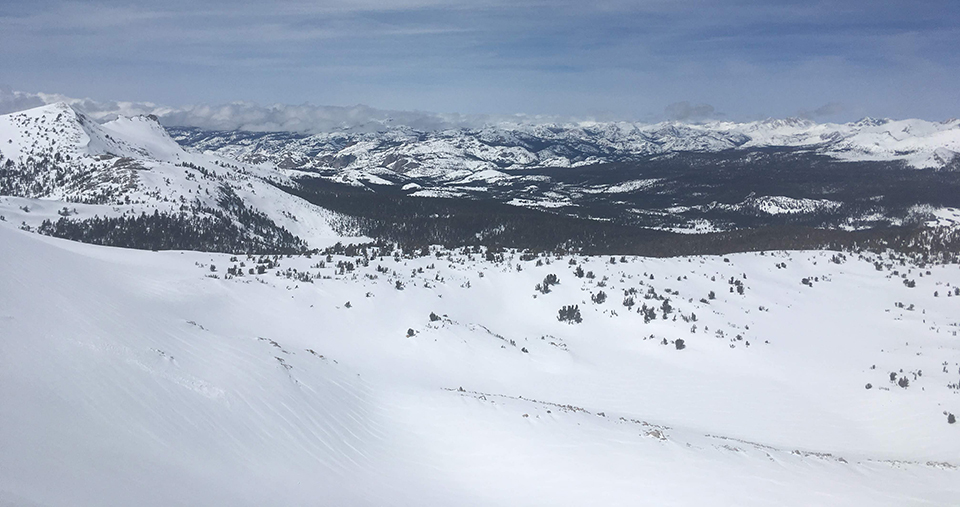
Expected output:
(669, 176)
(450, 155)
(472, 352)
(127, 182)
(58, 165)
(448, 378)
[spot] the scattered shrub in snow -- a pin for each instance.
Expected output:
(666, 307)
(680, 344)
(649, 314)
(570, 314)
(548, 281)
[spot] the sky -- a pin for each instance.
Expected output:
(642, 60)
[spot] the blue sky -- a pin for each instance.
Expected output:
(609, 59)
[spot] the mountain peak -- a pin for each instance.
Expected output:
(54, 108)
(868, 121)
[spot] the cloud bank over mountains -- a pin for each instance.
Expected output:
(305, 118)
(312, 119)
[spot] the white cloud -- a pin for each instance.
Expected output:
(305, 118)
(685, 111)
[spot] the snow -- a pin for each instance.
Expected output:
(154, 378)
(541, 203)
(439, 193)
(943, 217)
(487, 175)
(452, 155)
(695, 226)
(131, 377)
(146, 136)
(32, 212)
(632, 186)
(779, 205)
(143, 169)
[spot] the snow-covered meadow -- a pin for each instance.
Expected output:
(159, 378)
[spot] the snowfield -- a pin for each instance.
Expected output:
(159, 378)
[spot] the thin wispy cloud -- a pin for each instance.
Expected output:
(685, 111)
(628, 59)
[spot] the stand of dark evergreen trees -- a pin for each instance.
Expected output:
(175, 231)
(233, 227)
(414, 222)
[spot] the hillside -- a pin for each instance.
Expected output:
(167, 378)
(58, 165)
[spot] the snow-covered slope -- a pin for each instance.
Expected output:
(57, 160)
(131, 377)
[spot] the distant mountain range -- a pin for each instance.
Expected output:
(454, 154)
(63, 173)
(671, 176)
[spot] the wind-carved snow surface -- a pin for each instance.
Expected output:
(132, 165)
(143, 378)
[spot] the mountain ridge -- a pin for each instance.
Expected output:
(445, 155)
(55, 156)
(67, 175)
